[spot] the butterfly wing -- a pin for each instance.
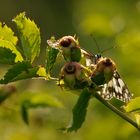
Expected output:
(53, 44)
(116, 88)
(89, 57)
(107, 90)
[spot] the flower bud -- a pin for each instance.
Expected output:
(103, 71)
(74, 75)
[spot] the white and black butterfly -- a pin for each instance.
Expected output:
(116, 88)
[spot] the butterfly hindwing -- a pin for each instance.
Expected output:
(120, 88)
(116, 88)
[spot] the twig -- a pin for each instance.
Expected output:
(114, 109)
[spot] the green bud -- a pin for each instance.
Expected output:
(74, 75)
(68, 46)
(70, 49)
(103, 71)
(98, 79)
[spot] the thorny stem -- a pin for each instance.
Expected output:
(114, 109)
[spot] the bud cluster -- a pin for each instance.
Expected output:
(82, 69)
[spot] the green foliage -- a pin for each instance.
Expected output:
(23, 68)
(6, 56)
(14, 72)
(24, 111)
(113, 23)
(38, 100)
(29, 35)
(9, 41)
(51, 55)
(79, 111)
(75, 54)
(30, 40)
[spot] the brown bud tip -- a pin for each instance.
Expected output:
(67, 40)
(107, 62)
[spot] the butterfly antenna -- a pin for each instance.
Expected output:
(115, 46)
(108, 49)
(98, 47)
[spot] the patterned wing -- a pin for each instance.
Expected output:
(53, 44)
(89, 57)
(116, 88)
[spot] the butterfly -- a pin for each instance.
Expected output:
(110, 81)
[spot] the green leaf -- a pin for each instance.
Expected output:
(18, 68)
(6, 56)
(79, 111)
(133, 105)
(30, 73)
(38, 100)
(9, 41)
(24, 111)
(29, 36)
(51, 58)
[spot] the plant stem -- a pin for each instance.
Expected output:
(114, 109)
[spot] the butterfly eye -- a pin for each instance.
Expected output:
(70, 69)
(65, 42)
(97, 57)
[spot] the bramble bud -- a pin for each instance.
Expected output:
(74, 76)
(104, 70)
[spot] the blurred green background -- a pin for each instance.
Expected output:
(112, 23)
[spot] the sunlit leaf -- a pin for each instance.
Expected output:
(13, 72)
(9, 41)
(79, 111)
(133, 105)
(29, 35)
